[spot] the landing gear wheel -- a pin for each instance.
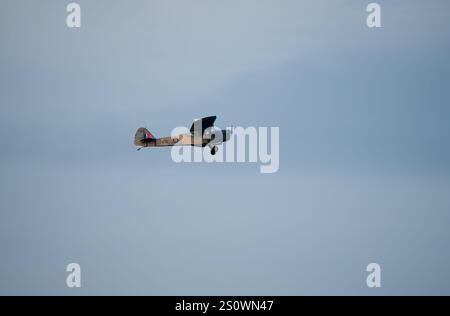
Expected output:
(214, 150)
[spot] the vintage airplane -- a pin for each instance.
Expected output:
(202, 133)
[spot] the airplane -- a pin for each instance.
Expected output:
(202, 133)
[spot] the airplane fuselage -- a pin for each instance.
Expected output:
(189, 140)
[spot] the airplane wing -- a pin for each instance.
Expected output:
(199, 125)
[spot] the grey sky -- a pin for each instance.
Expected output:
(365, 164)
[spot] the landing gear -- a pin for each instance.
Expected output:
(214, 150)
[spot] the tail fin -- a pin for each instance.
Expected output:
(142, 136)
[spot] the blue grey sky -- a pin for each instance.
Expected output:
(364, 158)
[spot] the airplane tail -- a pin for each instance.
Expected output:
(142, 136)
